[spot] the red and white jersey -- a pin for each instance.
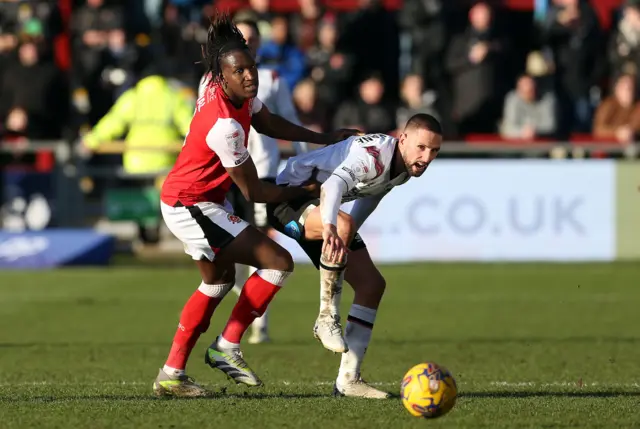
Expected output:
(217, 138)
(275, 94)
(363, 162)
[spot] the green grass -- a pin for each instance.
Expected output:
(530, 346)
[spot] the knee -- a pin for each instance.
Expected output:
(211, 274)
(346, 227)
(282, 261)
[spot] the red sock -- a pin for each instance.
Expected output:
(194, 320)
(256, 295)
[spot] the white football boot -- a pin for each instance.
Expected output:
(328, 331)
(356, 387)
(181, 386)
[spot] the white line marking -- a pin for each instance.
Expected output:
(504, 384)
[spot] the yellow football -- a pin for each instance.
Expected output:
(428, 390)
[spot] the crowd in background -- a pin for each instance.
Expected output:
(479, 68)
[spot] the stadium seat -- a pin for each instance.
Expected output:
(582, 138)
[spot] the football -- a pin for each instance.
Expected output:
(428, 390)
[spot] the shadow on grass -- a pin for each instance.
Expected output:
(282, 395)
(148, 398)
(543, 394)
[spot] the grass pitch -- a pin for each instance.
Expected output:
(530, 346)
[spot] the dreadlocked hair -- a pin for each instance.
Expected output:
(223, 37)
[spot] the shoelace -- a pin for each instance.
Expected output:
(334, 326)
(187, 379)
(238, 359)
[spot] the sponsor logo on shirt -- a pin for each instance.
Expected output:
(350, 172)
(236, 144)
(233, 218)
(361, 168)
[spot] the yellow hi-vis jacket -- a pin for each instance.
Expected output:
(157, 113)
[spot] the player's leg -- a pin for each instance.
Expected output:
(274, 264)
(256, 215)
(259, 327)
(300, 220)
(217, 240)
(241, 209)
(328, 329)
(216, 280)
(369, 286)
(196, 315)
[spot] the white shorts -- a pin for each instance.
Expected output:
(203, 228)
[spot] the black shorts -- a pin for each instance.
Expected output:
(288, 218)
(254, 213)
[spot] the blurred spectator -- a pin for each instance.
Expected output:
(424, 20)
(304, 26)
(369, 111)
(527, 113)
(118, 63)
(311, 111)
(160, 124)
(616, 118)
(572, 30)
(539, 65)
(281, 54)
(414, 100)
(32, 19)
(8, 44)
(181, 42)
(34, 102)
(261, 8)
(153, 12)
(371, 35)
(624, 49)
(474, 61)
(330, 69)
(90, 27)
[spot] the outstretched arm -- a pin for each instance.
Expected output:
(277, 127)
(227, 139)
(255, 190)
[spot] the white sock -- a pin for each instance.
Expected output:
(358, 335)
(173, 372)
(331, 278)
(224, 344)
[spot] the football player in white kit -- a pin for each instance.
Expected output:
(361, 168)
(275, 94)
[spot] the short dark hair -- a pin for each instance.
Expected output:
(223, 37)
(424, 121)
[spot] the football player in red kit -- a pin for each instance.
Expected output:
(195, 209)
